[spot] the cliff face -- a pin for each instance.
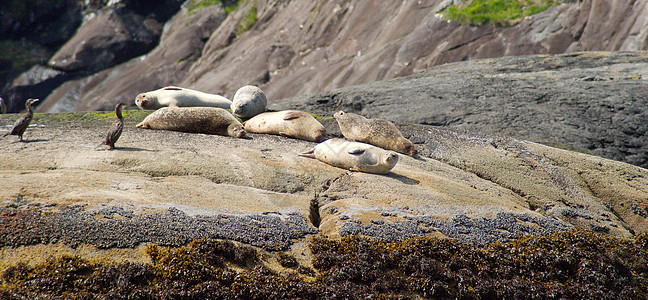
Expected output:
(299, 47)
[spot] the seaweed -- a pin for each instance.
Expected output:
(575, 264)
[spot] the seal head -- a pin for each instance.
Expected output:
(248, 102)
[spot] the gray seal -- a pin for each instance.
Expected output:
(291, 123)
(354, 156)
(377, 132)
(173, 96)
(209, 120)
(248, 102)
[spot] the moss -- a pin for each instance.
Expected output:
(228, 5)
(576, 264)
(99, 118)
(568, 147)
(496, 12)
(247, 22)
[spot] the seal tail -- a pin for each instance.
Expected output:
(310, 153)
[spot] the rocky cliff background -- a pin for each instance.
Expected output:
(97, 53)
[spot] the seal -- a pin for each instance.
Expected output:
(209, 120)
(173, 96)
(354, 156)
(115, 130)
(377, 132)
(291, 123)
(21, 124)
(248, 102)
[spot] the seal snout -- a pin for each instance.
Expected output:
(391, 157)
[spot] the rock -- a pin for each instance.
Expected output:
(110, 36)
(594, 101)
(179, 47)
(297, 48)
(116, 34)
(169, 188)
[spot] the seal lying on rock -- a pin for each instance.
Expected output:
(290, 123)
(172, 96)
(248, 102)
(210, 120)
(377, 132)
(354, 156)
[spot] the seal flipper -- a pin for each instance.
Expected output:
(143, 124)
(356, 151)
(291, 115)
(172, 88)
(310, 153)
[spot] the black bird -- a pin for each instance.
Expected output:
(116, 128)
(3, 106)
(21, 124)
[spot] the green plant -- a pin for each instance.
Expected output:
(496, 12)
(229, 5)
(247, 22)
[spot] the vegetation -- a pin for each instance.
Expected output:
(229, 5)
(566, 265)
(496, 12)
(247, 22)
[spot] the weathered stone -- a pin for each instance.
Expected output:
(594, 101)
(169, 187)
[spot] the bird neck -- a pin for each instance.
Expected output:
(118, 112)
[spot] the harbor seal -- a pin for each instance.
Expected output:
(248, 102)
(21, 124)
(115, 130)
(354, 156)
(291, 123)
(173, 96)
(210, 120)
(377, 132)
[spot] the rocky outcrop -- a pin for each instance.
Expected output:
(109, 36)
(301, 47)
(167, 188)
(592, 101)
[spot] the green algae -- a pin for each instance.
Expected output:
(89, 118)
(496, 12)
(228, 5)
(566, 265)
(247, 22)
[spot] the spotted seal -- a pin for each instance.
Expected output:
(291, 123)
(173, 96)
(210, 120)
(377, 132)
(354, 156)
